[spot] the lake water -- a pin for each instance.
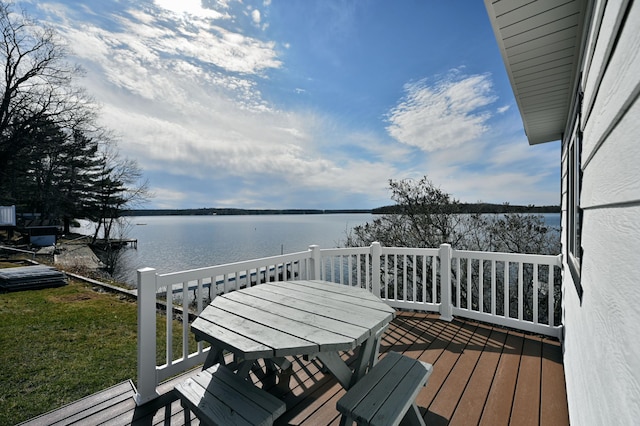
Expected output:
(176, 243)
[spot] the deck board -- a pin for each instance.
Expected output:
(553, 404)
(526, 402)
(445, 402)
(482, 375)
(497, 409)
(471, 404)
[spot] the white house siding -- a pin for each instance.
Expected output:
(602, 332)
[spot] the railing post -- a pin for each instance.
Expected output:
(147, 376)
(376, 252)
(446, 307)
(315, 262)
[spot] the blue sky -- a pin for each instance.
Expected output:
(303, 103)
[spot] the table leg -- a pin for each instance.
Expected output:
(214, 357)
(368, 355)
(284, 379)
(364, 358)
(337, 367)
(413, 417)
(281, 368)
(244, 367)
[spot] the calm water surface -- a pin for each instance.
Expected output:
(176, 243)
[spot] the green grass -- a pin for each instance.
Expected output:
(59, 345)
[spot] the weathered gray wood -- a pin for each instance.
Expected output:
(298, 315)
(387, 393)
(345, 309)
(281, 343)
(337, 292)
(325, 340)
(85, 406)
(356, 325)
(337, 367)
(224, 338)
(218, 396)
(297, 318)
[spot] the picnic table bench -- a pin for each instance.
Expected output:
(218, 396)
(387, 393)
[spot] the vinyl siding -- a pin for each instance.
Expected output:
(602, 349)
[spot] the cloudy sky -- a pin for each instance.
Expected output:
(305, 103)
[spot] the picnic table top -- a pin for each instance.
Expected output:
(292, 318)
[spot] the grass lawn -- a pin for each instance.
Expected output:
(59, 345)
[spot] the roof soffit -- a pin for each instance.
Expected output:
(540, 42)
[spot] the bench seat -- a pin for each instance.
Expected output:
(218, 396)
(387, 393)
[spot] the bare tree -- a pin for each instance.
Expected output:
(37, 86)
(426, 216)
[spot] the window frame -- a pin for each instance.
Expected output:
(573, 232)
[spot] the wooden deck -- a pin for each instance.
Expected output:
(482, 375)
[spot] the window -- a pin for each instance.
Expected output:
(574, 184)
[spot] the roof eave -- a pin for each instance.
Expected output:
(541, 44)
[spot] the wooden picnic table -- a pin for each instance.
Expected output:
(290, 318)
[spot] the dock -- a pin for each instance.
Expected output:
(117, 243)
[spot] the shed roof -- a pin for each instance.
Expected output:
(540, 42)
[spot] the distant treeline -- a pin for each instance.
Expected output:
(478, 208)
(227, 212)
(395, 209)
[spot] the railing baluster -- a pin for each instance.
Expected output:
(469, 291)
(423, 279)
(169, 325)
(387, 276)
(414, 279)
(200, 306)
(458, 282)
(493, 287)
(395, 277)
(507, 284)
(434, 279)
(481, 285)
(550, 293)
(520, 291)
(185, 319)
(405, 260)
(535, 292)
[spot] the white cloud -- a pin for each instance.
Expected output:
(192, 8)
(255, 16)
(182, 90)
(503, 109)
(442, 115)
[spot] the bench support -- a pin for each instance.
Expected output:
(386, 395)
(217, 396)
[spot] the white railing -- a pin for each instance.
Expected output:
(515, 290)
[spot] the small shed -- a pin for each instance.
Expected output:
(7, 216)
